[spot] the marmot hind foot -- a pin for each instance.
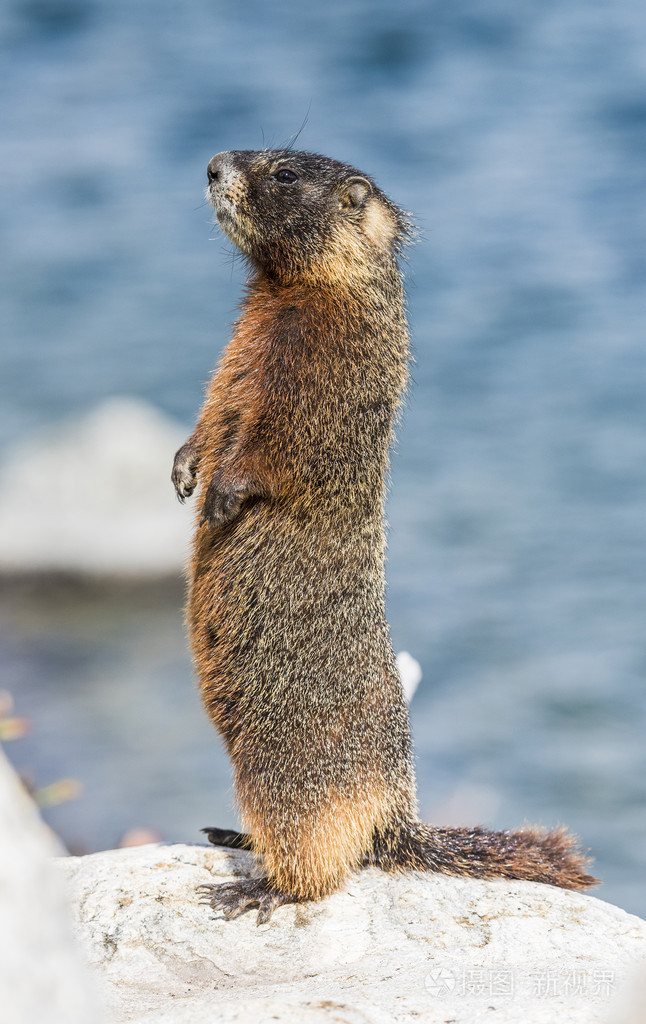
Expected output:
(233, 898)
(227, 837)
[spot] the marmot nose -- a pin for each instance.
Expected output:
(214, 170)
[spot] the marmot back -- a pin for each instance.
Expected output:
(286, 604)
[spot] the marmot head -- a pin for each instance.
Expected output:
(303, 217)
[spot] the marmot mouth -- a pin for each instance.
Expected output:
(225, 218)
(230, 225)
(224, 207)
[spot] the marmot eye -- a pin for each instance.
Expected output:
(285, 176)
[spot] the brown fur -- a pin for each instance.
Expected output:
(286, 606)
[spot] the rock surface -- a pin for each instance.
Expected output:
(42, 978)
(427, 948)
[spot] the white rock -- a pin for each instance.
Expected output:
(94, 496)
(42, 978)
(417, 947)
(410, 671)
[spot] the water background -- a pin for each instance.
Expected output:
(516, 134)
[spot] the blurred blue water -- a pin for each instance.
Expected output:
(516, 134)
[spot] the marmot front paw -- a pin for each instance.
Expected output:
(221, 503)
(184, 474)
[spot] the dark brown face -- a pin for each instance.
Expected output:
(291, 212)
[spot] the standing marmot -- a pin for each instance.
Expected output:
(286, 606)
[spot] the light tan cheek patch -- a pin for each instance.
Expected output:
(378, 224)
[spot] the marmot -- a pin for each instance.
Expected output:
(286, 602)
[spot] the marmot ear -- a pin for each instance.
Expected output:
(355, 191)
